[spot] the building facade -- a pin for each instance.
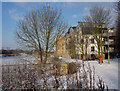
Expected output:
(109, 42)
(79, 42)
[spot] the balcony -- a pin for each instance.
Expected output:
(111, 42)
(110, 50)
(110, 34)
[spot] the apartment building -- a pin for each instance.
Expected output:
(109, 41)
(87, 45)
(60, 47)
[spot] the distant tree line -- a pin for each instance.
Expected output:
(6, 52)
(9, 52)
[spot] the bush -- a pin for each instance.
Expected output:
(55, 59)
(27, 76)
(72, 68)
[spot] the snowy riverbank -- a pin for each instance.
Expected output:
(16, 59)
(108, 72)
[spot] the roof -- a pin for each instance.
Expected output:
(69, 30)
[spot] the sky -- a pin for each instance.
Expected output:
(12, 12)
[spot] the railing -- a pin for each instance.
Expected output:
(110, 34)
(110, 42)
(110, 50)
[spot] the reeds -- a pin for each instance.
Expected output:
(27, 76)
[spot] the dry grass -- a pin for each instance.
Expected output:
(24, 76)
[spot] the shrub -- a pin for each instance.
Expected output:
(27, 76)
(72, 68)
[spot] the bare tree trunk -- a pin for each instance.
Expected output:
(99, 17)
(39, 45)
(101, 44)
(46, 52)
(47, 44)
(86, 52)
(83, 53)
(98, 50)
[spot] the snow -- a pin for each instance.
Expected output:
(108, 72)
(69, 60)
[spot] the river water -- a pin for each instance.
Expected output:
(12, 60)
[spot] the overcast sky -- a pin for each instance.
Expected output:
(13, 11)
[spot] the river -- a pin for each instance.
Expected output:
(13, 60)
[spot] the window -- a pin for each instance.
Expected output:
(92, 40)
(66, 48)
(105, 39)
(104, 49)
(82, 41)
(62, 46)
(92, 49)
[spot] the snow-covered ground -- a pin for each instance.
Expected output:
(13, 60)
(108, 72)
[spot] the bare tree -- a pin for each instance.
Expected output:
(77, 43)
(99, 18)
(82, 42)
(39, 29)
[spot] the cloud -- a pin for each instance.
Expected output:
(85, 13)
(12, 11)
(74, 16)
(22, 4)
(86, 8)
(14, 15)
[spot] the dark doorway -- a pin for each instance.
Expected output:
(93, 57)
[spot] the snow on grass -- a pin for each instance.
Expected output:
(108, 72)
(69, 60)
(17, 60)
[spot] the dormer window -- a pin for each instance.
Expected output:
(92, 49)
(92, 40)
